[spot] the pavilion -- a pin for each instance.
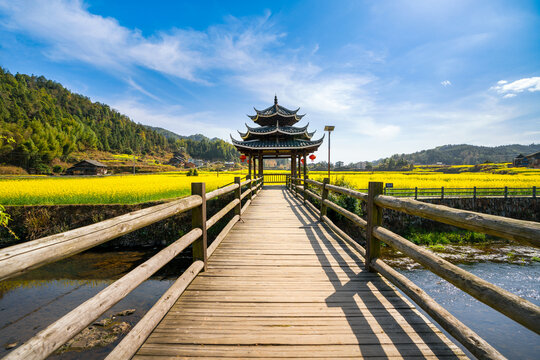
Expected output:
(275, 137)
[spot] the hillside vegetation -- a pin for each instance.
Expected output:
(44, 121)
(462, 155)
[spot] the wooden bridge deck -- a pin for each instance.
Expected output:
(282, 285)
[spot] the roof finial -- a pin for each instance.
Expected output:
(275, 99)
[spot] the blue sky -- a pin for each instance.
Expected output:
(392, 76)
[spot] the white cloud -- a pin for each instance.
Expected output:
(174, 118)
(446, 83)
(73, 33)
(509, 90)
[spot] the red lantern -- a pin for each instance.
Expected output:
(302, 161)
(243, 157)
(312, 157)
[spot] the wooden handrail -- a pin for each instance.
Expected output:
(55, 335)
(221, 213)
(516, 308)
(313, 182)
(349, 215)
(136, 337)
(222, 191)
(348, 192)
(526, 232)
(18, 259)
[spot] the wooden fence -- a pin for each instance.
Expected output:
(18, 259)
(275, 178)
(446, 192)
(525, 232)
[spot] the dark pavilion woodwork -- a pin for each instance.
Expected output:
(276, 137)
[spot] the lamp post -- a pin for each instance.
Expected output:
(329, 128)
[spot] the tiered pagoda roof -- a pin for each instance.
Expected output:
(274, 113)
(276, 132)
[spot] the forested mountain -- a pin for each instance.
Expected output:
(40, 120)
(463, 154)
(201, 147)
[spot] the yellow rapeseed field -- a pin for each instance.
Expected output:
(122, 189)
(413, 179)
(129, 189)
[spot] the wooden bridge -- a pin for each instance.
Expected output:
(281, 280)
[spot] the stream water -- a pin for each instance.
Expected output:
(508, 337)
(31, 302)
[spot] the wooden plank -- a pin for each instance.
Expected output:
(296, 351)
(281, 284)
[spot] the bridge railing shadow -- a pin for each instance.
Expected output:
(376, 314)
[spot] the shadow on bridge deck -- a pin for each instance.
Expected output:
(283, 285)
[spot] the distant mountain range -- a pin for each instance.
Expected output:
(199, 146)
(174, 136)
(464, 154)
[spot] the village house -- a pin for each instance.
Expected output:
(531, 160)
(87, 167)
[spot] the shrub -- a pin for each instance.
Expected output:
(57, 169)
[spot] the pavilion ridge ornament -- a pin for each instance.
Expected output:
(276, 136)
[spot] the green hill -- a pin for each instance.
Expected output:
(201, 147)
(464, 154)
(40, 121)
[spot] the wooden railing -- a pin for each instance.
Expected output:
(275, 178)
(448, 192)
(18, 259)
(525, 232)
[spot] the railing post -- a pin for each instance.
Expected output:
(442, 192)
(506, 192)
(324, 196)
(305, 188)
(474, 193)
(198, 220)
(534, 192)
(416, 193)
(374, 218)
(238, 195)
(250, 188)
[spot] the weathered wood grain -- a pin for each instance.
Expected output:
(526, 232)
(281, 284)
(513, 306)
(136, 337)
(55, 335)
(15, 260)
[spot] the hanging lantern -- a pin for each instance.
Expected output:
(243, 157)
(312, 157)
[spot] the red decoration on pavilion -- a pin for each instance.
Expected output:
(312, 157)
(243, 157)
(302, 161)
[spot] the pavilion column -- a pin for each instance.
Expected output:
(299, 166)
(250, 160)
(305, 168)
(261, 164)
(293, 165)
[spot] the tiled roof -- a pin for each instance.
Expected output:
(260, 144)
(263, 130)
(276, 110)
